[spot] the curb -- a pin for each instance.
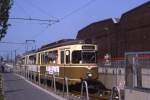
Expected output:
(40, 88)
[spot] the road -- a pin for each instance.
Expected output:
(16, 88)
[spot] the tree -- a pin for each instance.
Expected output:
(5, 6)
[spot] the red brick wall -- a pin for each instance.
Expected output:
(100, 33)
(135, 26)
(131, 34)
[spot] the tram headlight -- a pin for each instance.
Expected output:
(100, 94)
(117, 97)
(90, 75)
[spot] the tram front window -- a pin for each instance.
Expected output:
(76, 57)
(83, 57)
(88, 57)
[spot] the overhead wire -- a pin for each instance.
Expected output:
(29, 16)
(51, 22)
(12, 43)
(69, 14)
(40, 9)
(78, 9)
(33, 19)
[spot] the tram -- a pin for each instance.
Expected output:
(69, 58)
(65, 58)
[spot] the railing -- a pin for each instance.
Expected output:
(42, 80)
(1, 88)
(84, 85)
(115, 95)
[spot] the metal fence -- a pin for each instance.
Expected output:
(43, 81)
(138, 70)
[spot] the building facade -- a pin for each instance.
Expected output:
(116, 36)
(130, 33)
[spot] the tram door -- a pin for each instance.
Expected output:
(65, 57)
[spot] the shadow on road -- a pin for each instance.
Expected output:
(15, 90)
(11, 80)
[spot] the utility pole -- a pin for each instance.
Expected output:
(15, 57)
(30, 45)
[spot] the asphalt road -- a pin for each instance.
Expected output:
(16, 88)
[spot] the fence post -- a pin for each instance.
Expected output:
(115, 95)
(65, 83)
(86, 88)
(45, 79)
(53, 85)
(39, 78)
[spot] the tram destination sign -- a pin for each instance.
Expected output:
(88, 47)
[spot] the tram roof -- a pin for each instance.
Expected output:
(62, 42)
(59, 43)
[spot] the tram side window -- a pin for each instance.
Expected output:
(76, 57)
(26, 60)
(38, 58)
(52, 57)
(32, 59)
(23, 61)
(42, 58)
(46, 58)
(62, 57)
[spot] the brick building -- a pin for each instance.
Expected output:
(129, 34)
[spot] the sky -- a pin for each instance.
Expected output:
(73, 15)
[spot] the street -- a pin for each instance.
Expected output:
(16, 88)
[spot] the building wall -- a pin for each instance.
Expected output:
(101, 33)
(134, 27)
(131, 33)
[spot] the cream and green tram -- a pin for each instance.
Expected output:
(73, 59)
(29, 63)
(68, 58)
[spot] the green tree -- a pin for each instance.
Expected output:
(5, 6)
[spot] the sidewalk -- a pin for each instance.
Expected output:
(17, 88)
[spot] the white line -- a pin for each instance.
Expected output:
(44, 90)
